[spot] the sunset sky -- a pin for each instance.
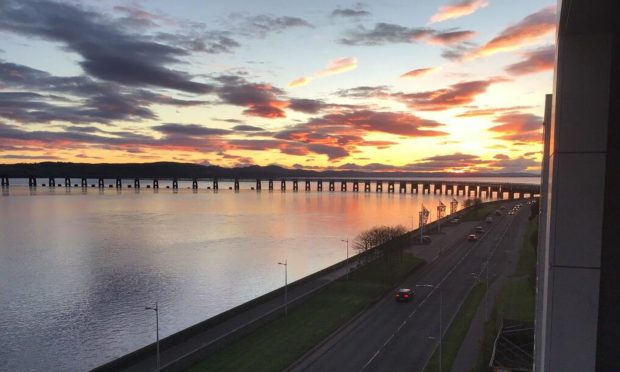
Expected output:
(417, 85)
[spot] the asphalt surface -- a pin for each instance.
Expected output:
(394, 336)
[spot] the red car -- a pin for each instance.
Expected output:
(404, 294)
(472, 237)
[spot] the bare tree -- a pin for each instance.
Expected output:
(376, 236)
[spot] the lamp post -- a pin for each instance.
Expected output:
(156, 309)
(440, 323)
(285, 264)
(347, 241)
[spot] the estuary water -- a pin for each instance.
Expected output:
(78, 267)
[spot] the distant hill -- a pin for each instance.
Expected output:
(188, 170)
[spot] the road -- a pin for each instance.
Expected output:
(395, 336)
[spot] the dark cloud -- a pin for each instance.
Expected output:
(210, 42)
(264, 24)
(350, 12)
(259, 99)
(188, 130)
(332, 152)
(108, 53)
(458, 51)
(385, 33)
(308, 106)
(346, 131)
(365, 92)
(451, 37)
(534, 61)
(27, 107)
(247, 128)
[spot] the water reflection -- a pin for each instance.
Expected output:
(73, 286)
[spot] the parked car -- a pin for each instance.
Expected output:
(426, 239)
(489, 219)
(404, 294)
(472, 237)
(479, 230)
(455, 221)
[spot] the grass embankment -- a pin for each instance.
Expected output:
(516, 299)
(480, 212)
(277, 344)
(457, 331)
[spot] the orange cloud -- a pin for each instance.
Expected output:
(456, 10)
(529, 30)
(336, 66)
(419, 72)
(456, 95)
(489, 111)
(299, 82)
(538, 60)
(517, 126)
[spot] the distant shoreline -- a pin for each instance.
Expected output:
(188, 171)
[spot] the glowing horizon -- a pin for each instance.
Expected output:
(455, 86)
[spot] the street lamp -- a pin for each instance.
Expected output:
(440, 324)
(156, 309)
(285, 264)
(347, 241)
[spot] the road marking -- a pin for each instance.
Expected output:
(435, 287)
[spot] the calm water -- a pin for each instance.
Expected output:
(77, 269)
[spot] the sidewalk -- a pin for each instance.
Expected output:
(470, 347)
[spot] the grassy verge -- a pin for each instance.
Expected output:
(478, 214)
(516, 299)
(457, 331)
(279, 343)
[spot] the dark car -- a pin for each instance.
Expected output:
(479, 230)
(404, 294)
(426, 239)
(472, 237)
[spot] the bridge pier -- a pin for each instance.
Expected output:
(236, 185)
(5, 181)
(83, 183)
(426, 188)
(379, 186)
(194, 184)
(216, 184)
(136, 183)
(100, 183)
(32, 181)
(366, 186)
(295, 185)
(414, 188)
(460, 190)
(319, 185)
(343, 186)
(51, 182)
(402, 188)
(356, 186)
(270, 185)
(307, 186)
(67, 182)
(332, 186)
(283, 185)
(390, 187)
(259, 185)
(175, 184)
(155, 183)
